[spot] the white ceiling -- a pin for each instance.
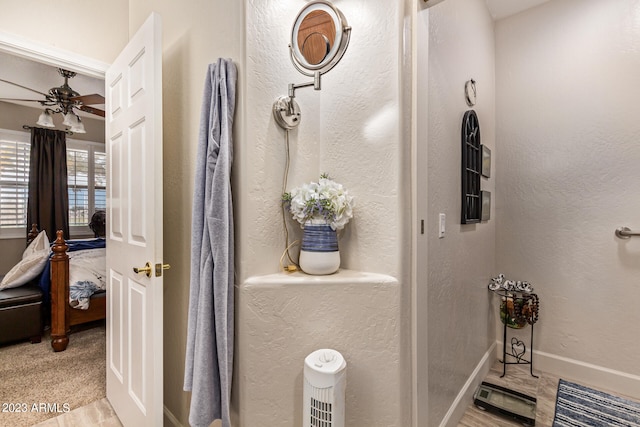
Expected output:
(41, 78)
(502, 8)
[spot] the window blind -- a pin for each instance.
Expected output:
(14, 183)
(86, 179)
(100, 180)
(78, 186)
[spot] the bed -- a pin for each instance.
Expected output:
(63, 315)
(64, 282)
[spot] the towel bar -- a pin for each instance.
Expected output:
(626, 233)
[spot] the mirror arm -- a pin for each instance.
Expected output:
(292, 90)
(286, 110)
(315, 83)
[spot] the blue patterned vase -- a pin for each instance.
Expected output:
(319, 253)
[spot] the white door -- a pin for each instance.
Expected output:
(133, 95)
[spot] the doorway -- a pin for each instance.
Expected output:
(35, 62)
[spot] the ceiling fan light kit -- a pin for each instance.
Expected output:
(68, 119)
(45, 119)
(77, 126)
(64, 100)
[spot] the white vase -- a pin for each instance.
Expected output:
(319, 263)
(319, 253)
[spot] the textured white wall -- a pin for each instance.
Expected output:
(351, 129)
(459, 320)
(568, 173)
(286, 317)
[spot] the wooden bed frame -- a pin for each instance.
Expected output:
(63, 317)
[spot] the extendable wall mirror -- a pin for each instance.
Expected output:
(319, 38)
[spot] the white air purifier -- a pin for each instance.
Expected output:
(325, 383)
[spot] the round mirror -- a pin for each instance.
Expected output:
(319, 38)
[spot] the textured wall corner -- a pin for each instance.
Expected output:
(282, 318)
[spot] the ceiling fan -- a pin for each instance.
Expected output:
(63, 99)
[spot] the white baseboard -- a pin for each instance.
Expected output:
(591, 375)
(170, 419)
(465, 396)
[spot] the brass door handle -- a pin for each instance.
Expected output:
(146, 269)
(160, 267)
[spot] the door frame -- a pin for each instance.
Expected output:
(51, 55)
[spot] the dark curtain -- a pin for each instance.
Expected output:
(48, 197)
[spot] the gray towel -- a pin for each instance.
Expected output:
(209, 354)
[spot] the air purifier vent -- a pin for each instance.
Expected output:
(320, 413)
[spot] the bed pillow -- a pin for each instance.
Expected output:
(33, 261)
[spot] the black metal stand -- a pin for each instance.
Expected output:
(523, 311)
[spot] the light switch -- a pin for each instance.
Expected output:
(441, 223)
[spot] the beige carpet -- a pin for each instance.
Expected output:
(37, 384)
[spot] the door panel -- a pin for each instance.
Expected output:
(137, 344)
(114, 159)
(114, 356)
(134, 232)
(137, 193)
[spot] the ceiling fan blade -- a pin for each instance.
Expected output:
(92, 110)
(92, 99)
(23, 100)
(24, 87)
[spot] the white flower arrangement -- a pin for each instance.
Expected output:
(324, 201)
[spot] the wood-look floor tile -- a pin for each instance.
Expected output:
(99, 414)
(518, 378)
